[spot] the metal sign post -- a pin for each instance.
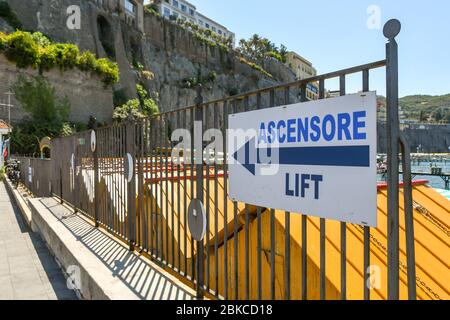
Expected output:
(394, 139)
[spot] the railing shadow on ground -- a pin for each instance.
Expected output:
(138, 275)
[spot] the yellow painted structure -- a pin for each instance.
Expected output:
(432, 245)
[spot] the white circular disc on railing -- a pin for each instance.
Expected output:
(72, 162)
(93, 141)
(197, 219)
(129, 168)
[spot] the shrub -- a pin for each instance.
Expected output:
(275, 55)
(22, 49)
(132, 106)
(41, 39)
(36, 50)
(66, 55)
(87, 61)
(108, 71)
(139, 108)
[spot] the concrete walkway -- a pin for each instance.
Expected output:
(108, 270)
(27, 269)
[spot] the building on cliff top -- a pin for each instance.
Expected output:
(303, 69)
(181, 9)
(132, 11)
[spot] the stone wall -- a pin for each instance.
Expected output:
(431, 138)
(86, 93)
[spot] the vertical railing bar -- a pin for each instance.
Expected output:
(366, 88)
(225, 202)
(259, 227)
(160, 188)
(172, 196)
(322, 225)
(166, 159)
(185, 164)
(272, 227)
(343, 224)
(124, 184)
(247, 234)
(144, 162)
(192, 187)
(115, 164)
(303, 98)
(199, 111)
(235, 234)
(178, 114)
(409, 219)
(96, 178)
(287, 233)
(207, 200)
(142, 221)
(216, 205)
(151, 184)
(392, 158)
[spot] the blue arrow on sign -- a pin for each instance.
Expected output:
(335, 156)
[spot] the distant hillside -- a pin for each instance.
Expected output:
(428, 105)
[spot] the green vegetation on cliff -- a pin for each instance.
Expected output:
(139, 108)
(34, 50)
(259, 48)
(48, 114)
(425, 106)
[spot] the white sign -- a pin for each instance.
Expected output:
(317, 158)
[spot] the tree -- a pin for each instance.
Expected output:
(47, 114)
(438, 116)
(258, 48)
(38, 98)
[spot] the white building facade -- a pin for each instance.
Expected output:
(181, 9)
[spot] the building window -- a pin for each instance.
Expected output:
(175, 3)
(183, 8)
(200, 22)
(166, 12)
(220, 32)
(192, 20)
(191, 11)
(207, 25)
(213, 29)
(130, 7)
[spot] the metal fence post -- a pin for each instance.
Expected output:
(198, 143)
(61, 185)
(129, 174)
(96, 175)
(391, 30)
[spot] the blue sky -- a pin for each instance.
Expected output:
(334, 35)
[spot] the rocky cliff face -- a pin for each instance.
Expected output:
(171, 53)
(85, 92)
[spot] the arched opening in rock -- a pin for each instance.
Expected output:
(106, 36)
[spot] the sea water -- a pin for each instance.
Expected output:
(435, 182)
